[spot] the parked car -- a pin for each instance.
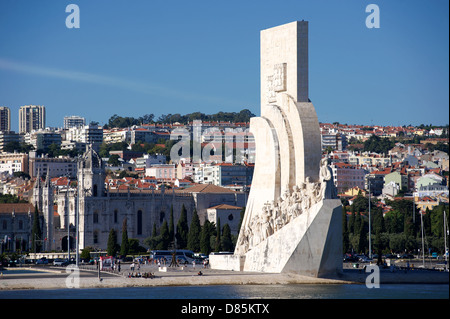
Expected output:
(60, 262)
(348, 258)
(365, 259)
(11, 263)
(406, 256)
(42, 261)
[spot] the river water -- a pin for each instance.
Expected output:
(292, 291)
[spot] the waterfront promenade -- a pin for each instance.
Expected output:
(57, 278)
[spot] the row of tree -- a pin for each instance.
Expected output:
(127, 121)
(398, 231)
(204, 239)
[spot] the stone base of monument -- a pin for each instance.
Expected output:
(309, 245)
(227, 262)
(170, 269)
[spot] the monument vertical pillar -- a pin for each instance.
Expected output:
(292, 221)
(287, 135)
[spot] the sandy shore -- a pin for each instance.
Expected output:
(61, 279)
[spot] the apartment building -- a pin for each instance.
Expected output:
(74, 121)
(13, 162)
(348, 176)
(55, 167)
(31, 117)
(5, 119)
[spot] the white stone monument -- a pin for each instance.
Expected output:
(293, 219)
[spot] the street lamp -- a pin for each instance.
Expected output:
(370, 235)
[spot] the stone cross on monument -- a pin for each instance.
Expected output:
(292, 221)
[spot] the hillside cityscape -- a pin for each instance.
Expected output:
(400, 175)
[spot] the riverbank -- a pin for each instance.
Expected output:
(58, 278)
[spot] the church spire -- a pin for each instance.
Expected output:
(37, 184)
(47, 178)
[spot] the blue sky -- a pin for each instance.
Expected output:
(137, 57)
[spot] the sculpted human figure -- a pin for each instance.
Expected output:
(325, 174)
(296, 194)
(327, 190)
(266, 227)
(318, 191)
(284, 204)
(310, 187)
(278, 214)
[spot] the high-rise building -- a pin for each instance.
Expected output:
(74, 121)
(31, 117)
(5, 119)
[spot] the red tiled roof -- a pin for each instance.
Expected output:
(207, 188)
(225, 206)
(16, 207)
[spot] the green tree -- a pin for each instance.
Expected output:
(397, 242)
(358, 222)
(135, 247)
(378, 145)
(86, 253)
(205, 238)
(362, 244)
(437, 218)
(163, 237)
(427, 222)
(345, 233)
(218, 243)
(112, 245)
(125, 245)
(361, 204)
(8, 199)
(171, 227)
(182, 229)
(378, 219)
(351, 223)
(408, 226)
(17, 146)
(194, 233)
(36, 232)
(226, 242)
(153, 240)
(394, 221)
(114, 160)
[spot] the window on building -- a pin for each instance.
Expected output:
(115, 216)
(95, 219)
(139, 222)
(95, 237)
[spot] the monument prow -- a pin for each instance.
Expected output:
(292, 221)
